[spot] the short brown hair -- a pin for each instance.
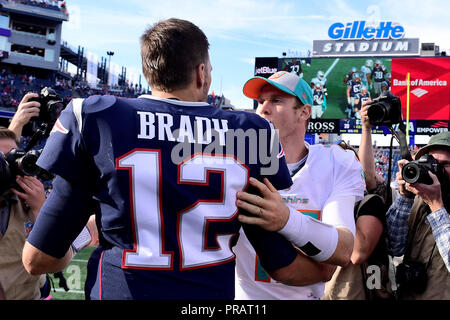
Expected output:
(5, 133)
(170, 51)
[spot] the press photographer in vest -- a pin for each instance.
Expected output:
(21, 198)
(419, 222)
(20, 203)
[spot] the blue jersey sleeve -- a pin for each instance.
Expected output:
(61, 219)
(64, 153)
(66, 210)
(273, 250)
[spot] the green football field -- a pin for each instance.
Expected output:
(336, 69)
(75, 274)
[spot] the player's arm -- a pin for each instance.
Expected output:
(60, 224)
(368, 232)
(369, 215)
(282, 261)
(37, 262)
(66, 211)
(303, 271)
(365, 152)
(321, 242)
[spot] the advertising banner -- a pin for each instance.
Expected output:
(431, 127)
(429, 90)
(265, 67)
(349, 48)
(323, 126)
(113, 75)
(92, 68)
(366, 38)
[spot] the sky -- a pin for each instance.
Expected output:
(240, 30)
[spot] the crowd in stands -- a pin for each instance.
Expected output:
(14, 86)
(381, 156)
(215, 100)
(382, 161)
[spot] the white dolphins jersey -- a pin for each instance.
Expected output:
(329, 174)
(322, 82)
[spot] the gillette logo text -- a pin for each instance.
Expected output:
(359, 30)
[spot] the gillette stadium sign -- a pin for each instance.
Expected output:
(362, 38)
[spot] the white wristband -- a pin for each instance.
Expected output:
(291, 229)
(315, 238)
(83, 239)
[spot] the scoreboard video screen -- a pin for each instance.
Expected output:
(341, 85)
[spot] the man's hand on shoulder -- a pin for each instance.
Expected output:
(271, 213)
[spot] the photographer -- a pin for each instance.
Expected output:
(20, 203)
(25, 111)
(18, 211)
(419, 226)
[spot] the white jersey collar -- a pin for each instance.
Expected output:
(176, 102)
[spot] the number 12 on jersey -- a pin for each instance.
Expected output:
(145, 174)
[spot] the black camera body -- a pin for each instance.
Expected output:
(412, 276)
(385, 110)
(51, 105)
(417, 171)
(20, 163)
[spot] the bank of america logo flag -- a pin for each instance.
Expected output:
(419, 92)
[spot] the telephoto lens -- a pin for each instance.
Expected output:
(378, 113)
(417, 171)
(385, 110)
(413, 172)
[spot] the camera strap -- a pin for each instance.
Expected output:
(4, 217)
(38, 135)
(400, 136)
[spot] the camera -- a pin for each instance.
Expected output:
(23, 162)
(412, 276)
(417, 171)
(18, 162)
(385, 110)
(51, 105)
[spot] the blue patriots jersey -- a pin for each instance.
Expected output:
(318, 97)
(355, 87)
(161, 177)
(361, 98)
(378, 73)
(292, 67)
